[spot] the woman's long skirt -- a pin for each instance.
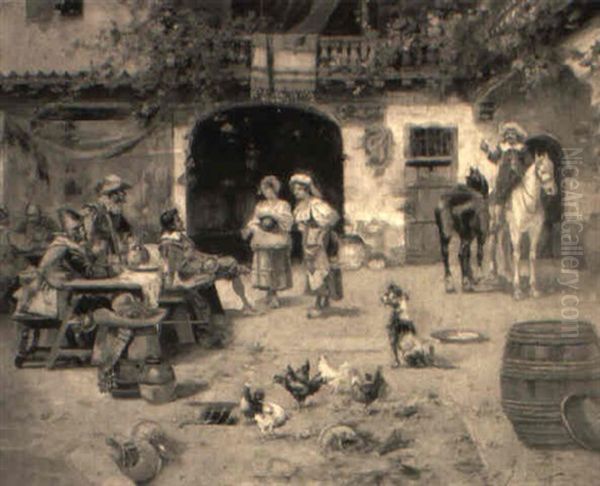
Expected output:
(272, 269)
(322, 278)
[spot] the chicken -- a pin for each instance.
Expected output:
(368, 389)
(251, 403)
(267, 415)
(339, 379)
(299, 383)
(270, 417)
(302, 373)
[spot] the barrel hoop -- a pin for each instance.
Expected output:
(591, 363)
(546, 376)
(527, 369)
(581, 339)
(551, 326)
(523, 405)
(532, 412)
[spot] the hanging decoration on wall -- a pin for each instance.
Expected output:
(378, 144)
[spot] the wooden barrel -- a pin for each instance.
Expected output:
(544, 361)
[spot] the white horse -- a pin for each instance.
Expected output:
(525, 214)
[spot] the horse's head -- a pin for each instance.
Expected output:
(544, 171)
(477, 181)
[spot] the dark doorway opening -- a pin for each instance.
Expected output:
(549, 246)
(234, 148)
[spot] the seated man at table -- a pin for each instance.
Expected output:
(107, 229)
(66, 258)
(191, 267)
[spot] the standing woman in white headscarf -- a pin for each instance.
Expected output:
(271, 242)
(315, 219)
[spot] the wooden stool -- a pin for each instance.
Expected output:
(178, 315)
(31, 354)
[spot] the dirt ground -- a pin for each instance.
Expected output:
(54, 423)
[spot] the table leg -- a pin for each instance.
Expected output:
(22, 345)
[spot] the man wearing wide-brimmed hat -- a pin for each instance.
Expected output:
(107, 228)
(513, 158)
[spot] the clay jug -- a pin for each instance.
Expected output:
(157, 381)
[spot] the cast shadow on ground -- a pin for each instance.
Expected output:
(341, 312)
(503, 285)
(189, 388)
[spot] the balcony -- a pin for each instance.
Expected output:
(320, 62)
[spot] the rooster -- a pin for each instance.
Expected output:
(369, 388)
(299, 383)
(339, 379)
(251, 403)
(267, 415)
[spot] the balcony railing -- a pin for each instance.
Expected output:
(351, 58)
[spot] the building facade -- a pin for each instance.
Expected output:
(382, 157)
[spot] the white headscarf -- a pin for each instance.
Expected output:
(306, 181)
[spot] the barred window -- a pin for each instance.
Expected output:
(43, 10)
(431, 146)
(38, 10)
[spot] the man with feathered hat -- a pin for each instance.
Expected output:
(512, 157)
(66, 258)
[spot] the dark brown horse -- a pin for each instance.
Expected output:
(464, 210)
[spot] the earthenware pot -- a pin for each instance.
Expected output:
(157, 381)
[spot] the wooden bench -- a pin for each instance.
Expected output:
(178, 312)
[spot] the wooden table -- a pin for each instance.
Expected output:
(72, 290)
(101, 285)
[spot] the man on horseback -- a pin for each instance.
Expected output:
(513, 158)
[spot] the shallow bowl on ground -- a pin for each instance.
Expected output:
(459, 336)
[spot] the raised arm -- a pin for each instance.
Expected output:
(492, 155)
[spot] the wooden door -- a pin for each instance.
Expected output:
(430, 172)
(422, 240)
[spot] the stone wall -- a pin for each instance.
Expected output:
(55, 181)
(58, 43)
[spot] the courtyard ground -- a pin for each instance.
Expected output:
(54, 423)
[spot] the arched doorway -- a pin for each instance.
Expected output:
(550, 238)
(233, 148)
